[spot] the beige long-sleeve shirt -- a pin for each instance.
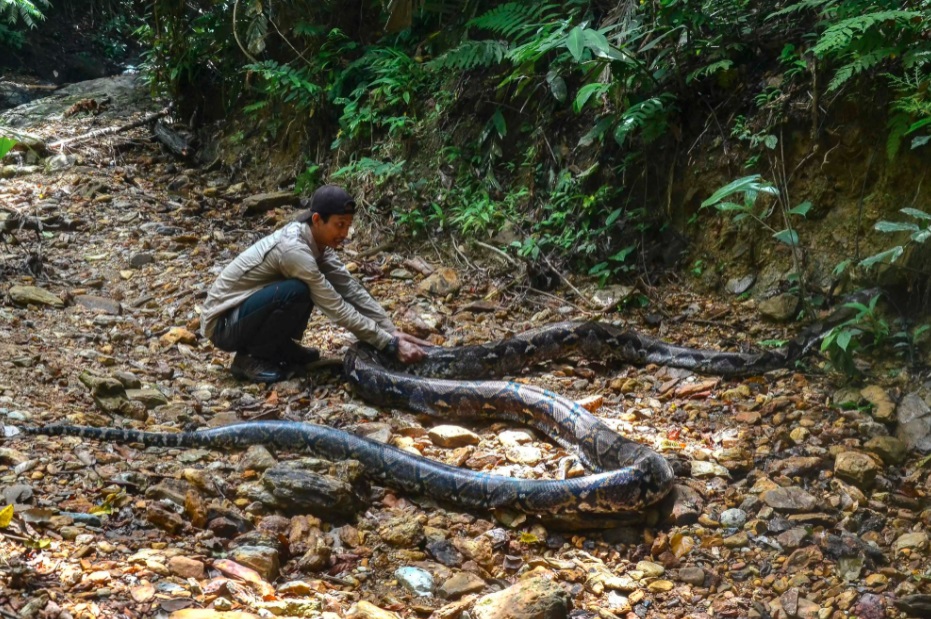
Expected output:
(291, 253)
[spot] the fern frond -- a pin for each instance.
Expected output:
(802, 6)
(514, 20)
(471, 54)
(707, 70)
(858, 65)
(844, 33)
(26, 11)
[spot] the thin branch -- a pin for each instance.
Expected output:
(110, 130)
(236, 35)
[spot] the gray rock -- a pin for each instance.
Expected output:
(780, 308)
(692, 575)
(417, 581)
(137, 261)
(740, 285)
(914, 417)
(609, 296)
(300, 491)
(534, 598)
(402, 274)
(792, 499)
(445, 552)
(733, 518)
(99, 304)
(148, 397)
(33, 295)
(17, 494)
(128, 379)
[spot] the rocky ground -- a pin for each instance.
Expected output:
(797, 496)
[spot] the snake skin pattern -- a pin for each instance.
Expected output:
(627, 476)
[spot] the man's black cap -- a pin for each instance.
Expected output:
(332, 200)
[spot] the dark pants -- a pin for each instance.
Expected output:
(266, 323)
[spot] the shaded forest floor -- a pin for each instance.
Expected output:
(787, 504)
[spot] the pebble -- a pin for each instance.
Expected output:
(692, 575)
(186, 567)
(418, 581)
(461, 584)
(445, 552)
(857, 468)
(453, 436)
(733, 518)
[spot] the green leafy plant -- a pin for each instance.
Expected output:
(866, 329)
(28, 12)
(917, 233)
(6, 145)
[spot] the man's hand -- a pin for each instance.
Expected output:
(410, 348)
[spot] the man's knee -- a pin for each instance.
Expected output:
(293, 292)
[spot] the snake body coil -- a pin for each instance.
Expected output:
(627, 476)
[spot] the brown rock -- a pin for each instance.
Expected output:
(461, 584)
(443, 282)
(883, 406)
(534, 598)
(453, 436)
(856, 468)
(263, 202)
(186, 567)
(682, 505)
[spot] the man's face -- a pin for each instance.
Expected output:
(331, 233)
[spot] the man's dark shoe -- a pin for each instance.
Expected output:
(296, 354)
(247, 367)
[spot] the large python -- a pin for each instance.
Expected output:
(627, 476)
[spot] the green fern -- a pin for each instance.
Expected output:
(804, 5)
(471, 54)
(26, 11)
(844, 34)
(516, 20)
(858, 65)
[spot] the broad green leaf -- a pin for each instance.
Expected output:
(500, 125)
(585, 93)
(787, 236)
(6, 145)
(596, 42)
(895, 226)
(575, 43)
(741, 185)
(914, 212)
(918, 125)
(613, 216)
(802, 209)
(732, 206)
(920, 141)
(843, 339)
(921, 237)
(890, 255)
(771, 141)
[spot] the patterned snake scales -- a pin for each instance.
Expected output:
(627, 476)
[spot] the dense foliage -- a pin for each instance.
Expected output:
(551, 127)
